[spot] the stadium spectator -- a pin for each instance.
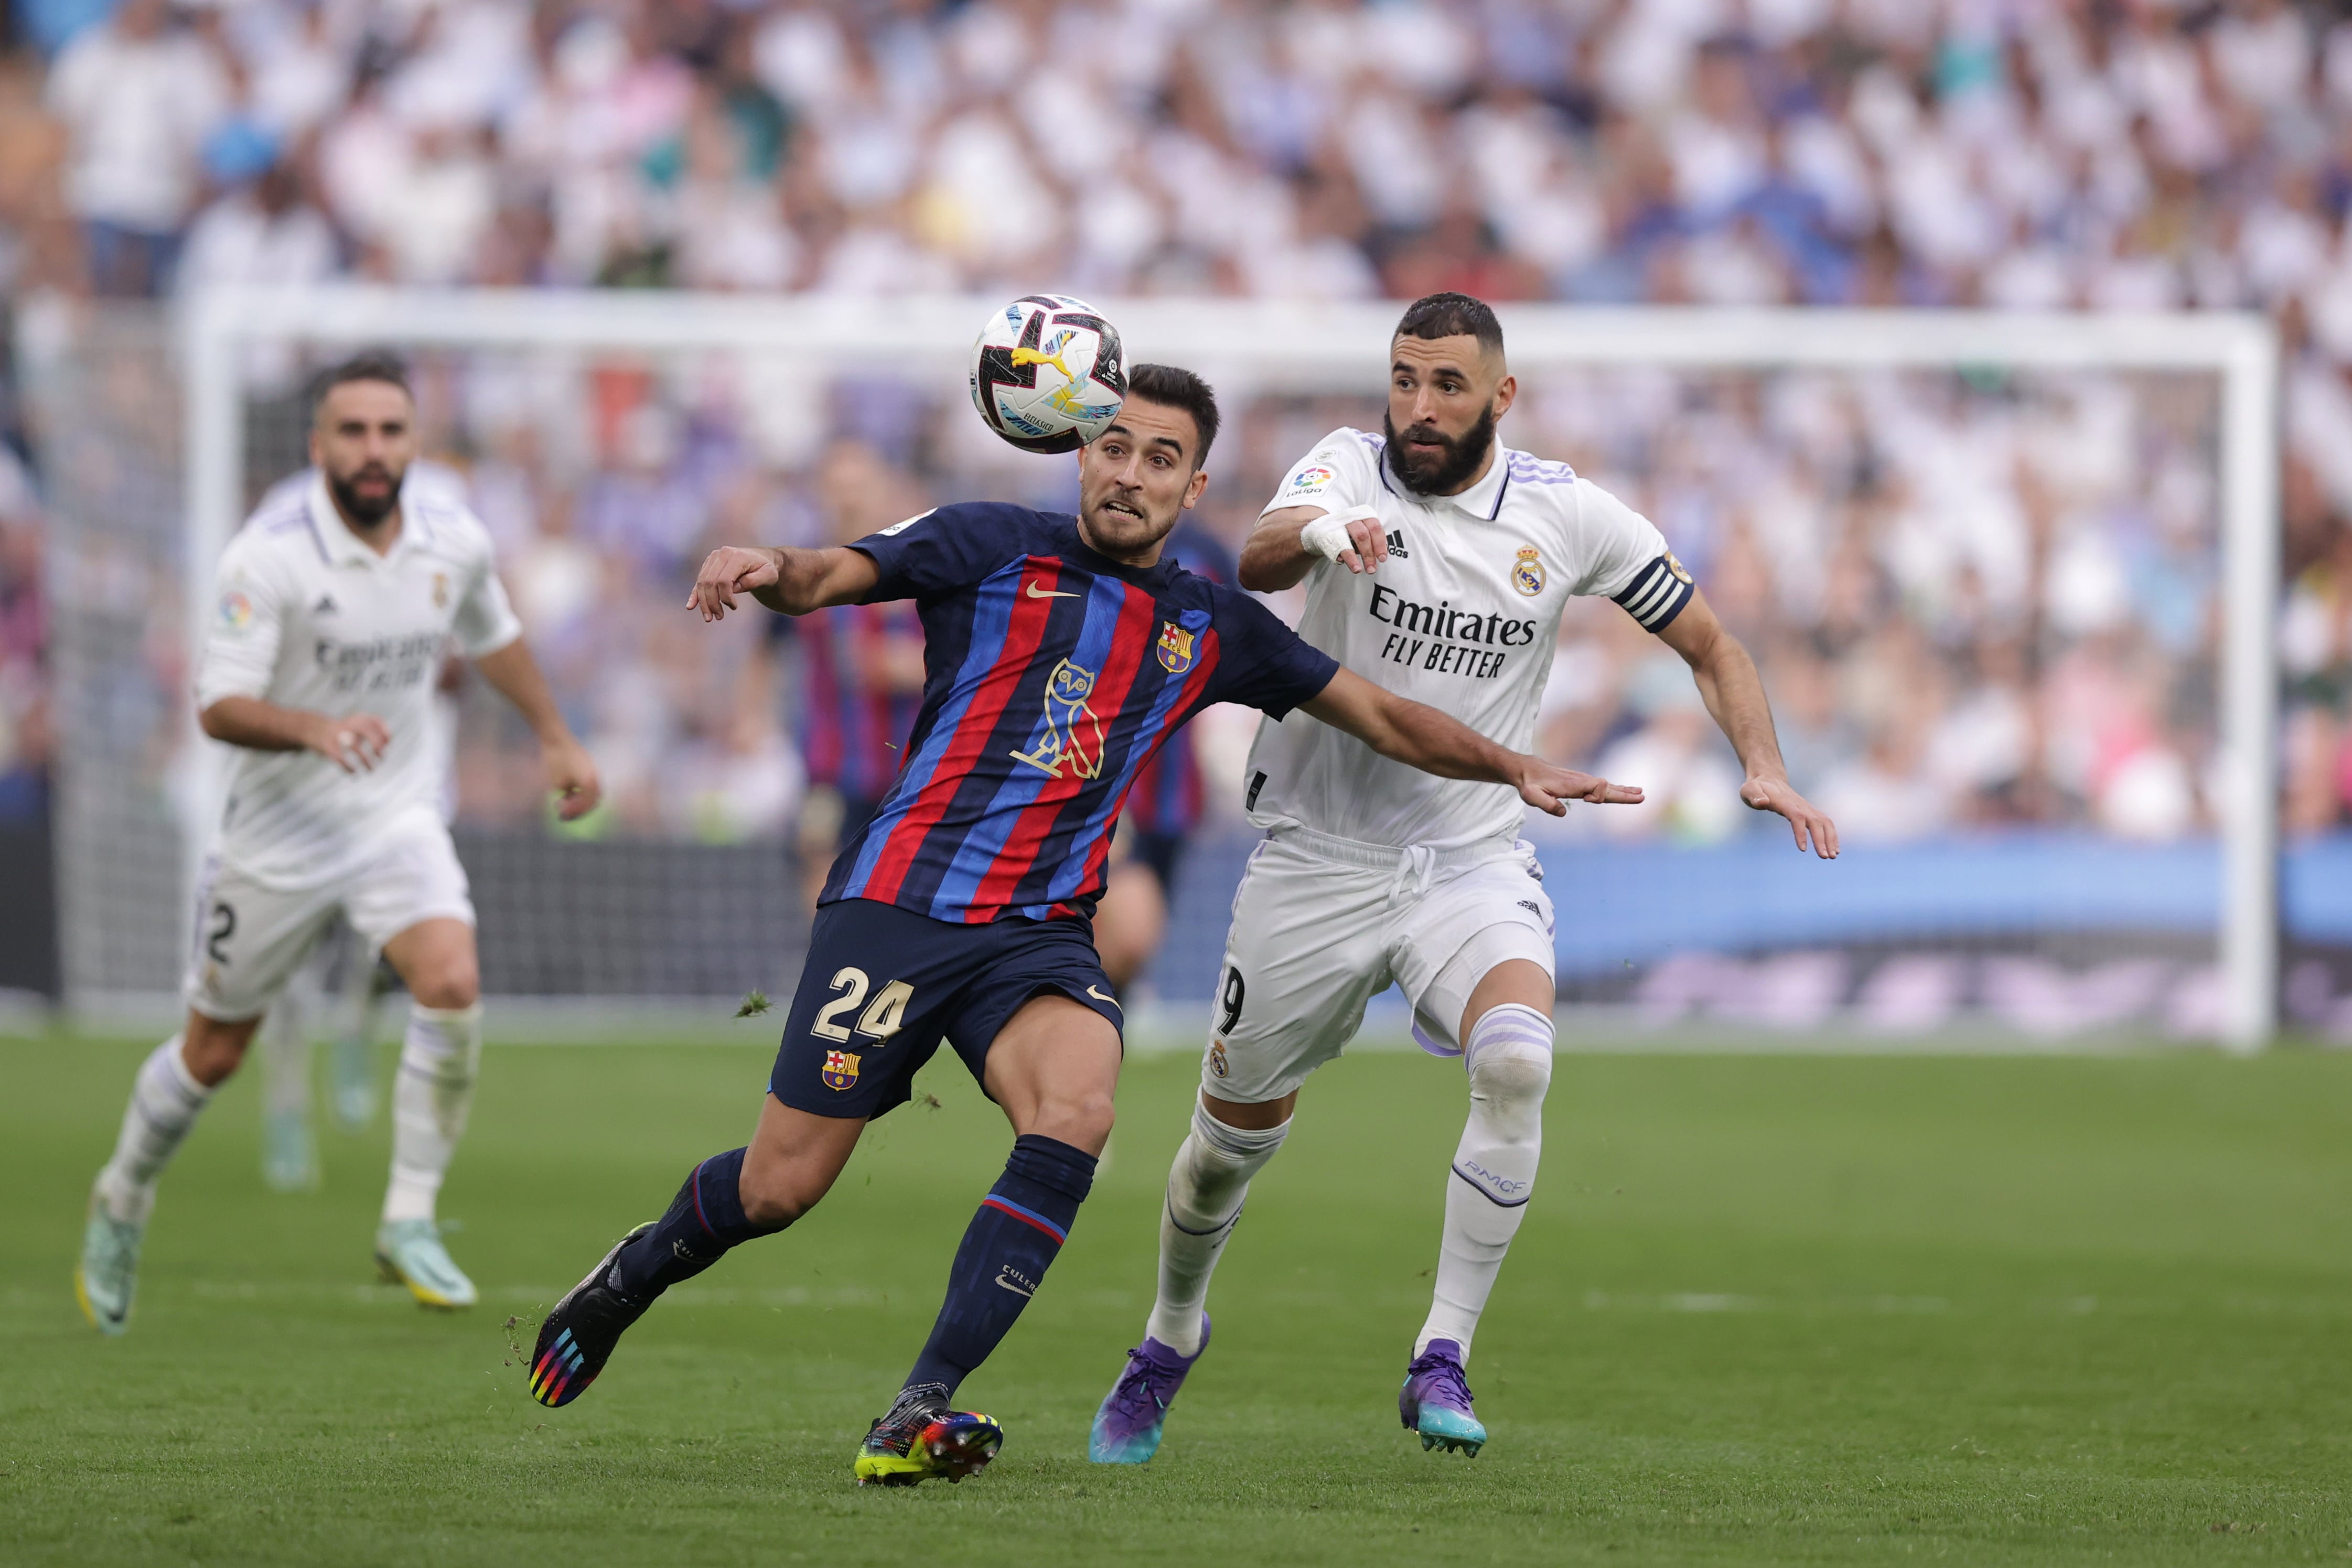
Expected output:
(139, 97)
(2024, 551)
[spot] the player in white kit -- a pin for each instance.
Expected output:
(335, 604)
(1437, 564)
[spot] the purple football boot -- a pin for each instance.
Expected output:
(1127, 1428)
(1435, 1402)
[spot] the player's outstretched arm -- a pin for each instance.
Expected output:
(1285, 544)
(571, 771)
(354, 743)
(789, 582)
(1735, 694)
(1438, 744)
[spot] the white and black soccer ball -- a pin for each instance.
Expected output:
(1047, 373)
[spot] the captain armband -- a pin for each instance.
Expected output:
(1657, 593)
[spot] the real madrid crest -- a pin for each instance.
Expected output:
(440, 590)
(1527, 571)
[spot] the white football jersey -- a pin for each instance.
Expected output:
(1463, 616)
(310, 616)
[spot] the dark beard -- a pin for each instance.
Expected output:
(366, 510)
(1464, 453)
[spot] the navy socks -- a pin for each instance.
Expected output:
(705, 1220)
(1011, 1243)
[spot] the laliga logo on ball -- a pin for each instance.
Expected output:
(1047, 373)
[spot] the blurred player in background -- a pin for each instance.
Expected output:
(1061, 653)
(1163, 810)
(335, 606)
(861, 671)
(1437, 564)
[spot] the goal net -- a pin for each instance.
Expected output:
(2010, 582)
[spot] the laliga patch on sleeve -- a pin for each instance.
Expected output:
(898, 528)
(236, 612)
(1309, 479)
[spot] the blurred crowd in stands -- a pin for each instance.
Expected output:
(1976, 599)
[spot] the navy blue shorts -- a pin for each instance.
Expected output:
(882, 986)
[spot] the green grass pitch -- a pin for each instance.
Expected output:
(1764, 1310)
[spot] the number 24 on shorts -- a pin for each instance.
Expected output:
(882, 1016)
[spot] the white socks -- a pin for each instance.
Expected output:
(1509, 1060)
(284, 1039)
(164, 1101)
(430, 1097)
(1205, 1189)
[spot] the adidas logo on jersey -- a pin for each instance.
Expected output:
(325, 606)
(1396, 544)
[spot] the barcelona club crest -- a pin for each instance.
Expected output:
(1175, 648)
(1528, 572)
(840, 1070)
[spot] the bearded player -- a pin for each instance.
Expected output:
(1061, 654)
(1438, 564)
(336, 602)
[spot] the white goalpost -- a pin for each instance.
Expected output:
(1260, 348)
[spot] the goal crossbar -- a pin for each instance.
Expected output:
(1266, 346)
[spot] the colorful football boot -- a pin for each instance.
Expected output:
(921, 1437)
(409, 1252)
(107, 1274)
(1436, 1401)
(1127, 1428)
(578, 1337)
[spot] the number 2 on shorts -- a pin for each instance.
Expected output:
(224, 928)
(879, 1021)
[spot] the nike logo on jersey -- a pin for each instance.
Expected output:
(1037, 593)
(1100, 997)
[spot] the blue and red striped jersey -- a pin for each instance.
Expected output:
(1054, 675)
(853, 726)
(1167, 796)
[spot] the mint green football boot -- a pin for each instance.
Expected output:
(409, 1252)
(107, 1276)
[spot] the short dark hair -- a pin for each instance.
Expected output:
(368, 364)
(1178, 388)
(1453, 316)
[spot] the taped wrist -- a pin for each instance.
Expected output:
(1327, 535)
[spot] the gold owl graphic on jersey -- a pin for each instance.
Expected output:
(1073, 735)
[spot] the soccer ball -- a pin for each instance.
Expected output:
(1047, 373)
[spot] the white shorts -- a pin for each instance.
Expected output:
(1322, 925)
(251, 938)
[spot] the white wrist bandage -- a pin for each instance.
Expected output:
(1327, 535)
